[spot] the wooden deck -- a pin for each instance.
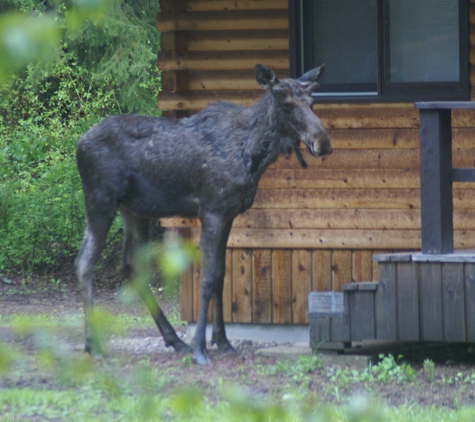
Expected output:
(419, 297)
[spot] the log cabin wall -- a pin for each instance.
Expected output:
(312, 229)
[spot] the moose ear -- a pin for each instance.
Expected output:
(311, 76)
(265, 77)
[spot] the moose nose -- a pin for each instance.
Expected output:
(327, 146)
(321, 145)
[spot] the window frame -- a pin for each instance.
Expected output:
(386, 91)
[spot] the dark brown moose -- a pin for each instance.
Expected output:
(206, 166)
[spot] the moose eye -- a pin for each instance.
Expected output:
(287, 107)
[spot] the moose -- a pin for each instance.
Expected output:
(206, 166)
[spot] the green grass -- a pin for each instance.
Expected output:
(90, 405)
(188, 405)
(124, 321)
(41, 379)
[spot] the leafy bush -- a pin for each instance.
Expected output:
(98, 71)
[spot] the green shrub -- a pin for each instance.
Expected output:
(98, 70)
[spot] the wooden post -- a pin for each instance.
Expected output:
(436, 181)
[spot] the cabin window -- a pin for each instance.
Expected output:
(401, 50)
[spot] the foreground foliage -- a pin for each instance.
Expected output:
(98, 405)
(42, 378)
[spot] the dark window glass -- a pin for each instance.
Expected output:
(402, 50)
(350, 48)
(423, 41)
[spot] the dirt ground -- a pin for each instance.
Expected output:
(451, 386)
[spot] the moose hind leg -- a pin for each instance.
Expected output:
(94, 240)
(135, 238)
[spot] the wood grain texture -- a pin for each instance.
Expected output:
(173, 81)
(173, 41)
(331, 218)
(431, 310)
(463, 199)
(385, 303)
(196, 290)
(225, 80)
(227, 288)
(362, 315)
(453, 300)
(319, 331)
(361, 159)
(368, 138)
(242, 285)
(261, 286)
(332, 239)
(173, 5)
(470, 301)
(223, 60)
(322, 270)
(218, 21)
(197, 100)
(371, 159)
(186, 295)
(281, 286)
(407, 301)
(368, 117)
(341, 269)
(340, 179)
(335, 239)
(361, 266)
(350, 198)
(301, 284)
(238, 40)
(225, 5)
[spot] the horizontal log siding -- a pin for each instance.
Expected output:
(310, 229)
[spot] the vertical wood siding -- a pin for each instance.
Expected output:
(271, 286)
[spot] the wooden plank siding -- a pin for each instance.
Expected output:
(311, 229)
(271, 285)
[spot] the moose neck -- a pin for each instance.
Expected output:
(264, 143)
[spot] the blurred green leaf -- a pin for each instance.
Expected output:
(176, 256)
(7, 357)
(25, 39)
(186, 402)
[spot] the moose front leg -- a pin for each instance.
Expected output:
(219, 333)
(214, 236)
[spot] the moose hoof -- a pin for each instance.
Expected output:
(94, 351)
(181, 347)
(201, 357)
(225, 346)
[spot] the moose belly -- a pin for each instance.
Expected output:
(149, 201)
